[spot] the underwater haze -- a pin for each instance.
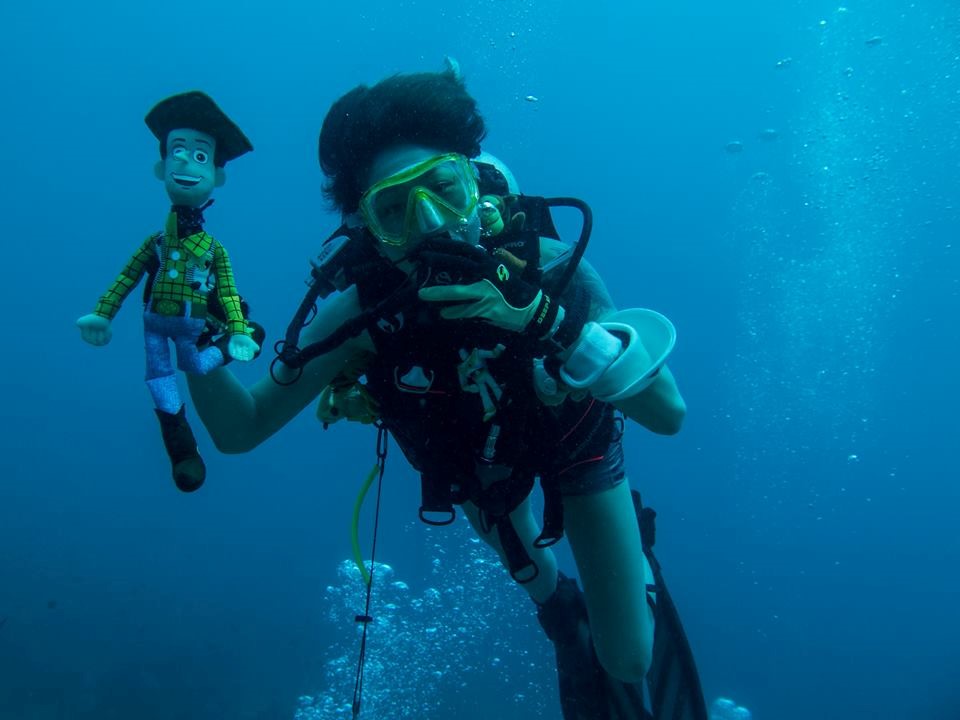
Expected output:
(780, 179)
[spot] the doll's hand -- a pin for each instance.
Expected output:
(95, 329)
(242, 347)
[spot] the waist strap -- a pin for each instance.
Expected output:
(168, 307)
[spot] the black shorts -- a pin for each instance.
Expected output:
(594, 474)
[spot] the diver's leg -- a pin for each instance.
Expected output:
(603, 533)
(542, 586)
(563, 616)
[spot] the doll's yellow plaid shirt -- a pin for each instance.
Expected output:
(189, 268)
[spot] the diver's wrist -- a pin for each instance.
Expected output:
(555, 326)
(563, 334)
(544, 318)
(586, 359)
(621, 356)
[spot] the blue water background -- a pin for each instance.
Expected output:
(807, 510)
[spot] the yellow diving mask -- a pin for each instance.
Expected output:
(420, 199)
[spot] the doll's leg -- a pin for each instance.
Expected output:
(160, 375)
(189, 357)
(189, 471)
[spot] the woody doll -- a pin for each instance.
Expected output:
(188, 272)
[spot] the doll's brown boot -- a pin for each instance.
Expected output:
(189, 472)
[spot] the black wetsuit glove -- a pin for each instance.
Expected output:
(472, 283)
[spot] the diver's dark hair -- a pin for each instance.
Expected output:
(430, 109)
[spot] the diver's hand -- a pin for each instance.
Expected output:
(242, 347)
(485, 287)
(95, 329)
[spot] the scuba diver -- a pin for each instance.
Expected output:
(464, 326)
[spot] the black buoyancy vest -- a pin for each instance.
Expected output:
(479, 436)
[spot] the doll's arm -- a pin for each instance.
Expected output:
(109, 303)
(241, 346)
(227, 291)
(95, 327)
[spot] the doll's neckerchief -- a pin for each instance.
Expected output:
(190, 232)
(189, 219)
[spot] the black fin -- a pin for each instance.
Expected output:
(579, 676)
(673, 680)
(587, 692)
(625, 701)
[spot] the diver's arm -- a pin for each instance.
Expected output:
(238, 419)
(659, 407)
(639, 385)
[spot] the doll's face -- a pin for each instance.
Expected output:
(187, 171)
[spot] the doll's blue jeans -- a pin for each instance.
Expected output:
(183, 331)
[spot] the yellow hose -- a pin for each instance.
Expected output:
(355, 527)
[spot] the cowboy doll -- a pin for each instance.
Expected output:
(189, 273)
